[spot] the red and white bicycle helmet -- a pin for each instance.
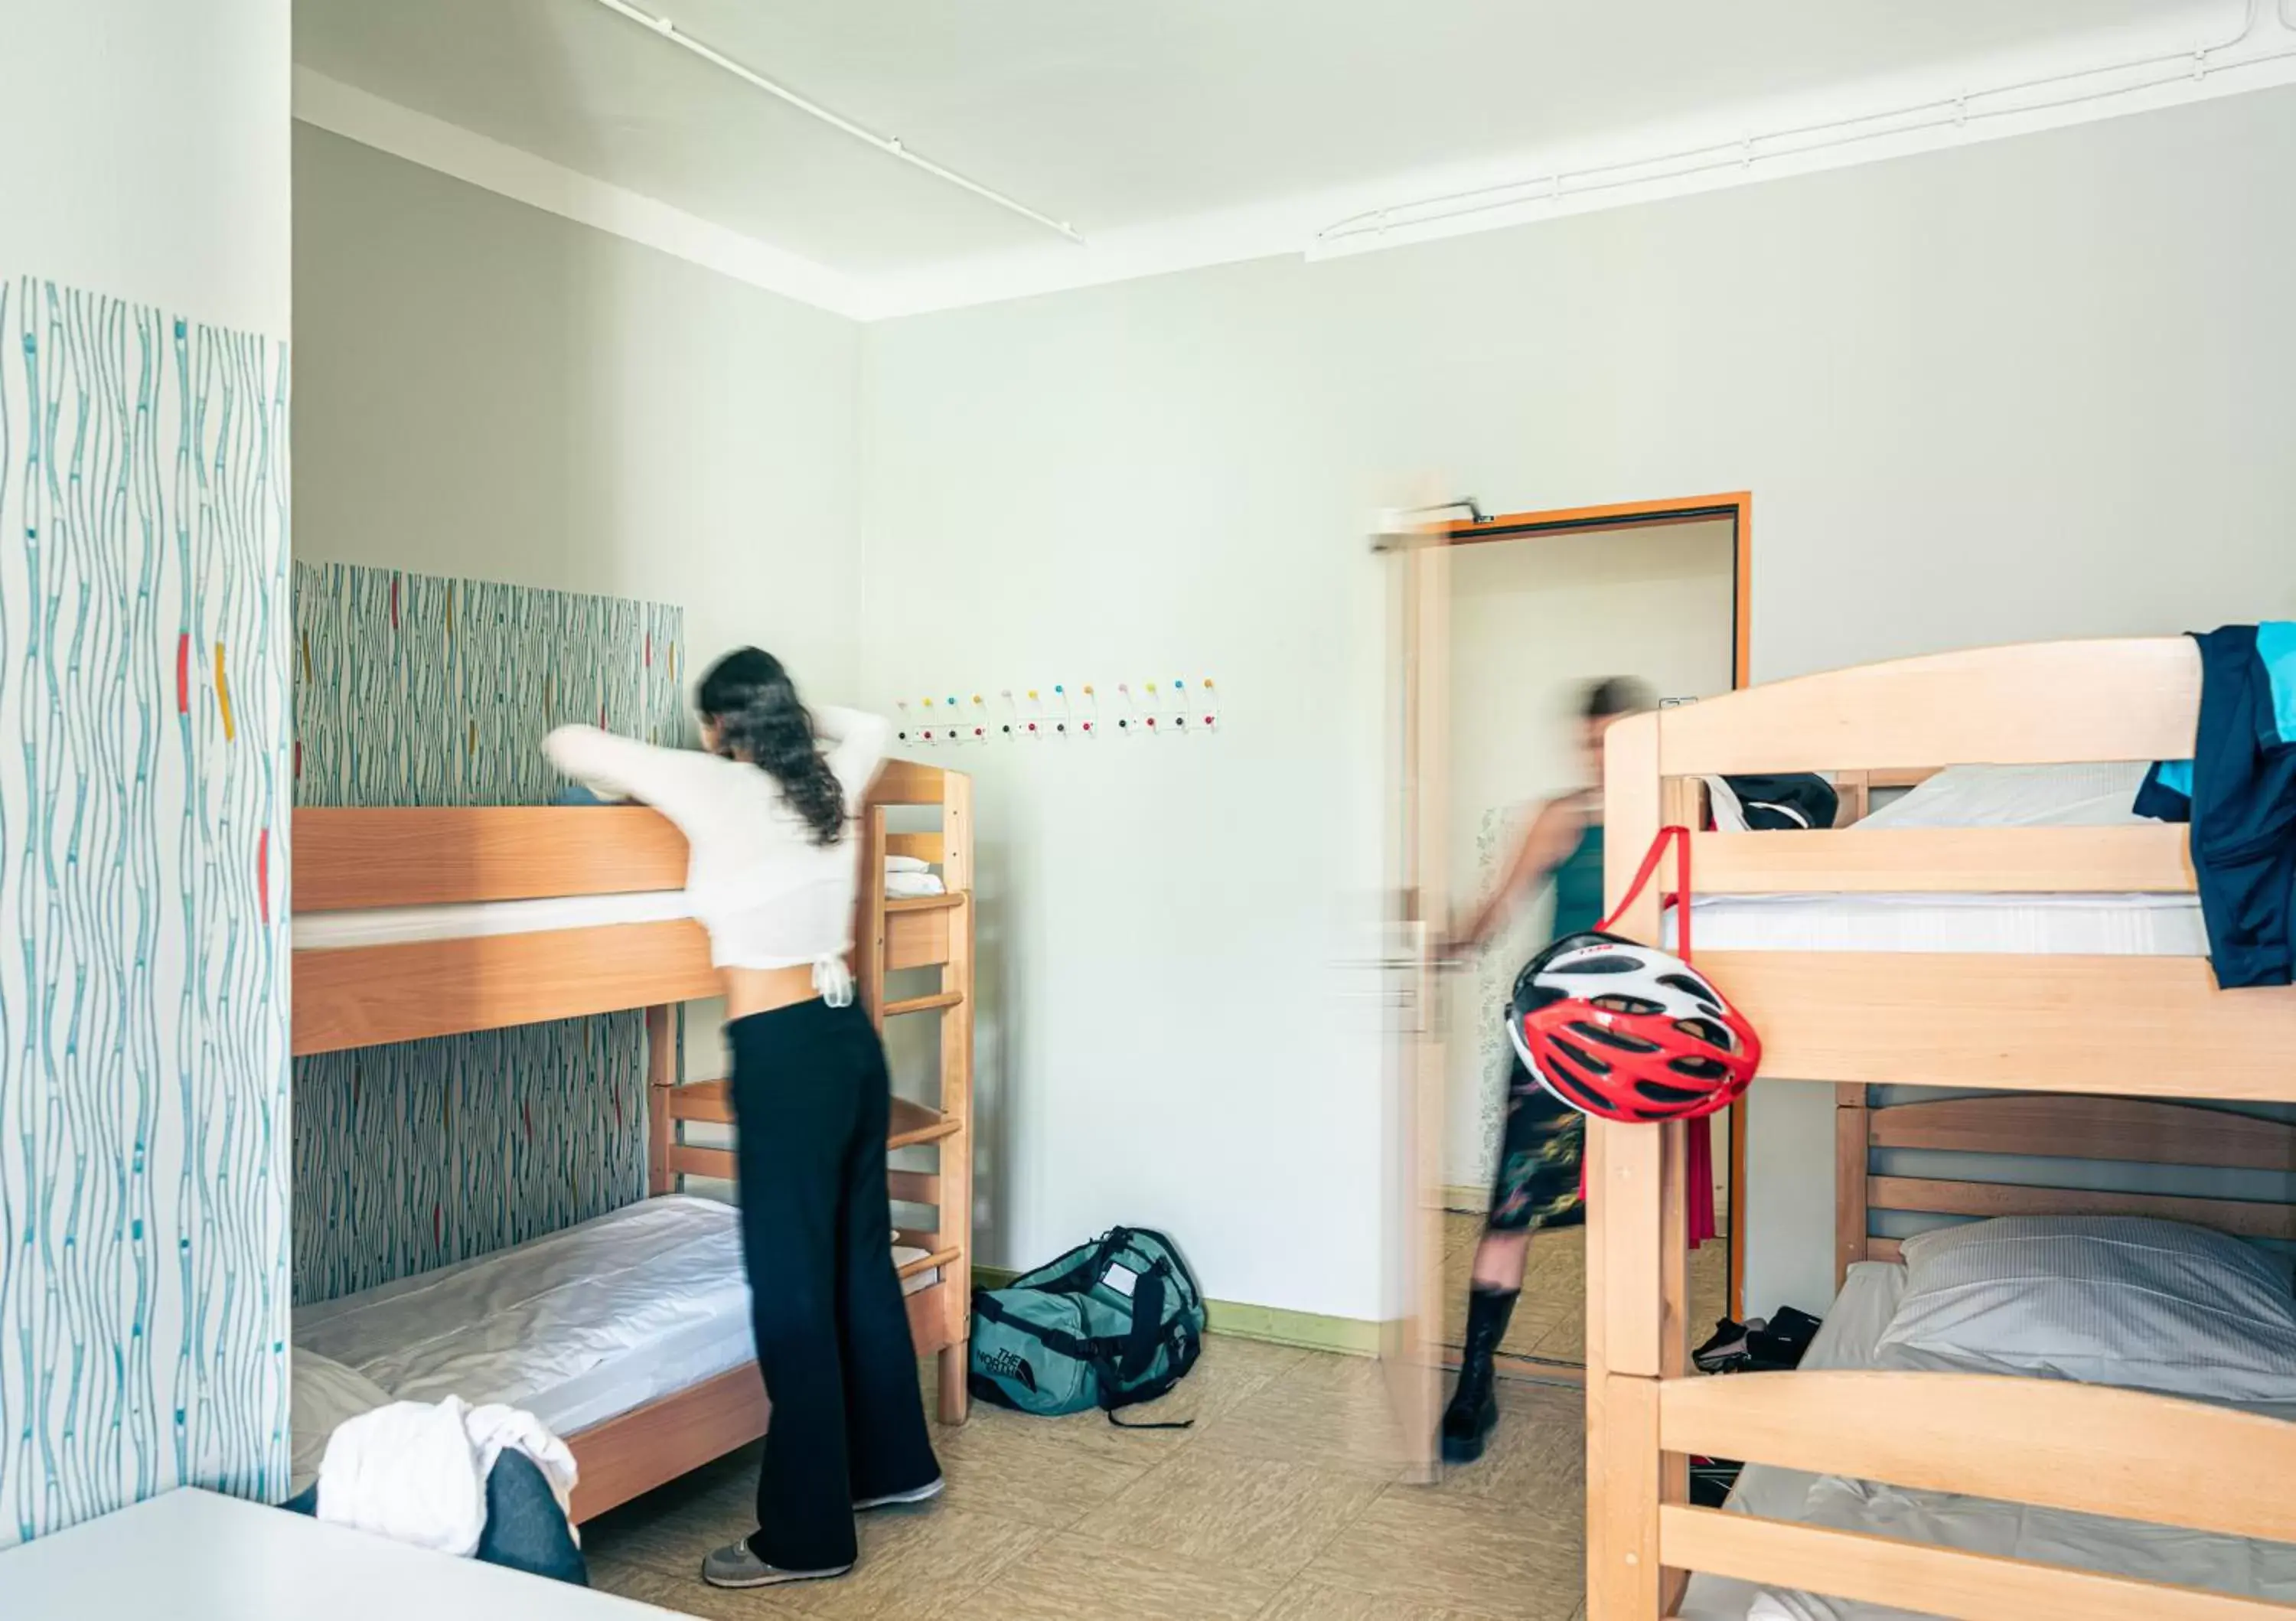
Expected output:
(1627, 1032)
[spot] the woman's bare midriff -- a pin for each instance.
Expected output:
(761, 990)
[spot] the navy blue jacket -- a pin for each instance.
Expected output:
(2239, 793)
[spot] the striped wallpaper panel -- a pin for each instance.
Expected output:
(411, 690)
(143, 799)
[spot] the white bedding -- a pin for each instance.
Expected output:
(575, 1327)
(410, 925)
(414, 925)
(1850, 1339)
(2096, 925)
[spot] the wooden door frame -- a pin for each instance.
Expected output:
(1738, 506)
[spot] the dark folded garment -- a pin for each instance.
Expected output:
(1791, 800)
(1785, 1342)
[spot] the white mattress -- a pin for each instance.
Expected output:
(2098, 925)
(1848, 1339)
(575, 1327)
(409, 925)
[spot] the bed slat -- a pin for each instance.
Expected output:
(2153, 1026)
(907, 783)
(918, 846)
(2070, 1127)
(2037, 703)
(1983, 861)
(1944, 1580)
(2089, 1449)
(712, 1102)
(367, 995)
(350, 860)
(916, 933)
(2241, 1218)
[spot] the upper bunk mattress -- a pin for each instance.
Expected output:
(414, 925)
(575, 1327)
(2135, 925)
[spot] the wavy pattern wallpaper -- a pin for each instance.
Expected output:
(143, 799)
(411, 690)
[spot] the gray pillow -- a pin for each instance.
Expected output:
(2108, 1300)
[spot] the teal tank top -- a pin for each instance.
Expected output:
(1578, 884)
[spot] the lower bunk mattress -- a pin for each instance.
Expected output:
(575, 1327)
(1848, 1339)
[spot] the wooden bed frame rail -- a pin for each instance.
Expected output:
(2138, 1028)
(2084, 1448)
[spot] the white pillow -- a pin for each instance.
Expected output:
(2105, 1300)
(2020, 796)
(321, 1395)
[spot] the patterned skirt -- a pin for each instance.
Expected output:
(1540, 1157)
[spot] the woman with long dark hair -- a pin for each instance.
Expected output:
(767, 811)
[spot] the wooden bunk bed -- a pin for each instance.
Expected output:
(2042, 1029)
(626, 957)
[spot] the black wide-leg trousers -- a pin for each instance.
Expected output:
(813, 1104)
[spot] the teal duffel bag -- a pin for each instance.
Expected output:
(1115, 1321)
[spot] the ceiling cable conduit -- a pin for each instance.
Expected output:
(891, 146)
(2025, 97)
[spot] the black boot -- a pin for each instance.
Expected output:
(1474, 1409)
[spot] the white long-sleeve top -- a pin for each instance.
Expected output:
(768, 895)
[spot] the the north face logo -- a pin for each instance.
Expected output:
(1011, 1365)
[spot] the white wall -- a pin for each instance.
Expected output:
(486, 390)
(143, 311)
(150, 154)
(1532, 621)
(2040, 387)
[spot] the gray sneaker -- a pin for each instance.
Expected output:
(926, 1492)
(735, 1566)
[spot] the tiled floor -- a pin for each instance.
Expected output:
(1283, 1503)
(1550, 1319)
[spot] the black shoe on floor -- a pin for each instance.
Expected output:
(1467, 1426)
(1475, 1410)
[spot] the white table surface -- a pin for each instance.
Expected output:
(194, 1555)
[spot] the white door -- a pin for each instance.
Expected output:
(1417, 560)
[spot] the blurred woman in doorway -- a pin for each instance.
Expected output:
(1536, 1183)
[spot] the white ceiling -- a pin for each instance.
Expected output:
(1131, 118)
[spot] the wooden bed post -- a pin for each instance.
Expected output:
(1851, 1137)
(956, 1093)
(869, 927)
(1637, 1279)
(661, 1074)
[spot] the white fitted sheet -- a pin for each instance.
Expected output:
(2098, 925)
(1850, 1338)
(411, 925)
(575, 1327)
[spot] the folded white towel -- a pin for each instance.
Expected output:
(906, 864)
(912, 886)
(417, 1473)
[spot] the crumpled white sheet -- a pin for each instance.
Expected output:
(417, 1473)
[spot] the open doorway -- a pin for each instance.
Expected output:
(1540, 605)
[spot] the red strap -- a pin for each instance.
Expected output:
(1651, 858)
(1699, 1169)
